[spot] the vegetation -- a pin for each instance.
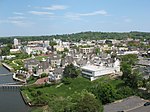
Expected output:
(83, 35)
(131, 77)
(65, 96)
(70, 71)
(6, 50)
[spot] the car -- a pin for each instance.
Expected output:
(147, 103)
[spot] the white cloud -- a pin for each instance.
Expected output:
(40, 13)
(77, 16)
(19, 23)
(55, 7)
(100, 12)
(16, 18)
(18, 13)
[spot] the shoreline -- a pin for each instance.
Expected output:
(27, 102)
(7, 67)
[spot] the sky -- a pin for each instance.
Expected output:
(50, 17)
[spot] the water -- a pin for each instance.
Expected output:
(10, 98)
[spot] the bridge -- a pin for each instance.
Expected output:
(10, 85)
(6, 74)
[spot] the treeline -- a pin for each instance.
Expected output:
(82, 35)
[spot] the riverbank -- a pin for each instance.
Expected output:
(25, 98)
(7, 67)
(28, 101)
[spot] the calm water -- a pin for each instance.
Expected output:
(10, 98)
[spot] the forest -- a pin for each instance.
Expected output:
(82, 35)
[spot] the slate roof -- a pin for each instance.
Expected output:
(58, 71)
(43, 65)
(67, 59)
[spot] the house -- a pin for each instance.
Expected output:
(54, 60)
(56, 75)
(43, 67)
(86, 50)
(31, 64)
(67, 60)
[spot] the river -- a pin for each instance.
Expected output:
(10, 98)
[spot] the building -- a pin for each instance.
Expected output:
(54, 60)
(87, 50)
(93, 72)
(56, 75)
(31, 64)
(16, 42)
(43, 67)
(14, 50)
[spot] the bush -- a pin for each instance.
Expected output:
(43, 75)
(66, 81)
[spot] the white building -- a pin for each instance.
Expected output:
(93, 72)
(128, 52)
(28, 50)
(46, 43)
(16, 42)
(14, 50)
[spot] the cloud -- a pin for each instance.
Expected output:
(55, 7)
(16, 17)
(100, 12)
(18, 13)
(77, 16)
(19, 23)
(40, 13)
(128, 20)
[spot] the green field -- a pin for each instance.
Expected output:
(65, 90)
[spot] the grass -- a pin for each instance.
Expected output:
(76, 85)
(40, 57)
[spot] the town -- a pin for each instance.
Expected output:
(59, 68)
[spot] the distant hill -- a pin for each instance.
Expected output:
(82, 35)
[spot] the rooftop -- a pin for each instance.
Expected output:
(93, 67)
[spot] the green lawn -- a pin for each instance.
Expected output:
(76, 85)
(40, 57)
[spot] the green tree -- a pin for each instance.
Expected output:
(52, 44)
(148, 86)
(124, 92)
(87, 102)
(97, 51)
(104, 92)
(130, 59)
(70, 71)
(132, 78)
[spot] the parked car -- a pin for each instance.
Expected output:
(147, 104)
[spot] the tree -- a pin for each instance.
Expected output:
(97, 51)
(131, 78)
(70, 71)
(148, 86)
(104, 92)
(52, 44)
(130, 59)
(6, 50)
(124, 92)
(87, 102)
